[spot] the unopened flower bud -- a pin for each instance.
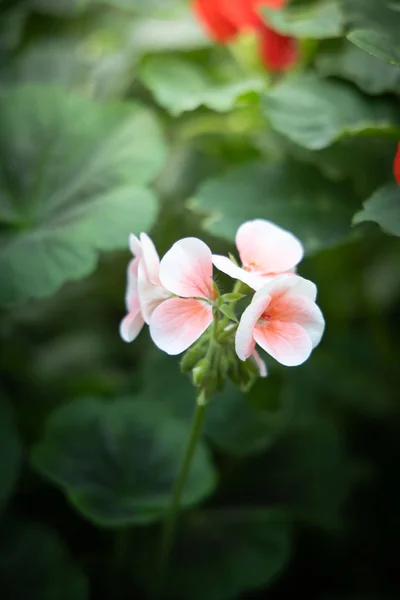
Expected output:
(192, 357)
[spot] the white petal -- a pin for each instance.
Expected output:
(244, 340)
(135, 246)
(150, 258)
(131, 326)
(268, 248)
(150, 295)
(186, 269)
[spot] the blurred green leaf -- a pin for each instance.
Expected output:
(295, 196)
(308, 472)
(241, 428)
(34, 564)
(72, 182)
(377, 43)
(239, 424)
(316, 112)
(117, 461)
(72, 7)
(374, 27)
(10, 452)
(365, 163)
(317, 20)
(383, 208)
(181, 85)
(221, 553)
(342, 59)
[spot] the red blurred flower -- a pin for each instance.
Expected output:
(396, 165)
(225, 19)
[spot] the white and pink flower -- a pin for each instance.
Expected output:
(283, 320)
(174, 296)
(265, 251)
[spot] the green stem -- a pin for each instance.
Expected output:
(168, 534)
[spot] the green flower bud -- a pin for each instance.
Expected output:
(192, 357)
(201, 372)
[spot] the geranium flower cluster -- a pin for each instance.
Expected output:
(179, 300)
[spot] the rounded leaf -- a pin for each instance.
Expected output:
(118, 460)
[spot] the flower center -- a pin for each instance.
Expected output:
(250, 267)
(263, 320)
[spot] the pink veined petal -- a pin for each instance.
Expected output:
(186, 269)
(244, 340)
(288, 284)
(262, 367)
(132, 295)
(267, 248)
(150, 295)
(135, 246)
(299, 310)
(150, 258)
(178, 322)
(288, 343)
(131, 325)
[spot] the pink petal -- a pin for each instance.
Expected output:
(267, 248)
(301, 311)
(150, 258)
(288, 284)
(186, 269)
(262, 367)
(135, 246)
(288, 343)
(177, 323)
(132, 294)
(150, 295)
(131, 326)
(244, 341)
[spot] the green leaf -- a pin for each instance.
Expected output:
(314, 112)
(296, 197)
(117, 461)
(73, 7)
(34, 564)
(229, 312)
(374, 27)
(10, 452)
(72, 183)
(383, 208)
(219, 554)
(317, 20)
(377, 43)
(232, 297)
(181, 85)
(342, 59)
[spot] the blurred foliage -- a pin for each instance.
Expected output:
(121, 116)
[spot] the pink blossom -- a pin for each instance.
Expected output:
(144, 291)
(186, 271)
(283, 319)
(265, 250)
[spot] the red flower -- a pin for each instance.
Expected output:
(396, 165)
(225, 19)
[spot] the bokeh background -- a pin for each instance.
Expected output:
(125, 116)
